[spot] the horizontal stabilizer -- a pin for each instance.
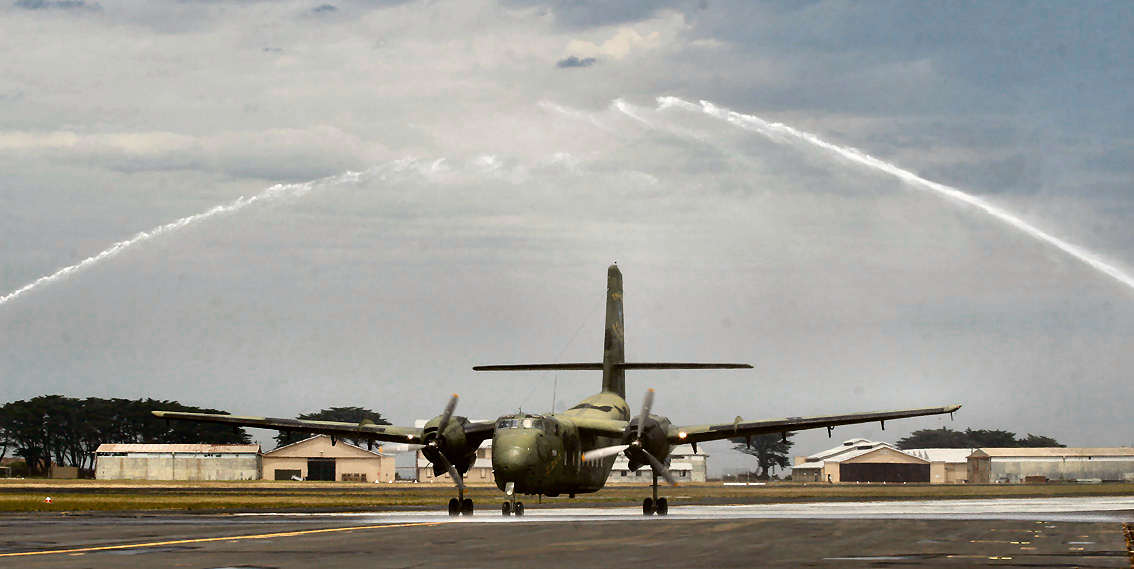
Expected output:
(538, 367)
(675, 365)
(598, 366)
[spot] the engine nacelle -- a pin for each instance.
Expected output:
(452, 442)
(654, 439)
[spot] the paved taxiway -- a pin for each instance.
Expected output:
(1052, 532)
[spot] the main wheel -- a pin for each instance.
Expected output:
(506, 509)
(519, 509)
(648, 507)
(662, 506)
(454, 507)
(466, 507)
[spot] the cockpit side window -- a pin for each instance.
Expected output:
(507, 424)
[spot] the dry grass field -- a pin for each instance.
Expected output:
(89, 495)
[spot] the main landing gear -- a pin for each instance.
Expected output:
(511, 506)
(460, 506)
(655, 505)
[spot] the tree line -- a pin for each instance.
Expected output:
(53, 429)
(973, 438)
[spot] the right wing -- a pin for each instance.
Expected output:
(387, 433)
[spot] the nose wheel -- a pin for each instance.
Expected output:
(511, 507)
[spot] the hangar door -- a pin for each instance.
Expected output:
(883, 472)
(321, 469)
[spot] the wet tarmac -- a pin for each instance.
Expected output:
(1050, 532)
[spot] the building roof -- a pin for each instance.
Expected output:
(851, 449)
(180, 448)
(849, 446)
(687, 450)
(317, 437)
(1054, 452)
(953, 455)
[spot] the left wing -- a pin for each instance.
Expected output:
(388, 433)
(738, 428)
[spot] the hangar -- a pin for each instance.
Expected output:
(861, 460)
(177, 462)
(316, 458)
(1008, 465)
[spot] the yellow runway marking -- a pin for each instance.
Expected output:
(81, 550)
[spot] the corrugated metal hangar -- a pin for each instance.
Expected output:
(1009, 465)
(314, 458)
(177, 462)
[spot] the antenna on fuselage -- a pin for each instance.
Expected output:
(554, 393)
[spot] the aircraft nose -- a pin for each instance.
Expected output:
(513, 461)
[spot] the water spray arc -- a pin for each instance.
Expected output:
(273, 192)
(779, 132)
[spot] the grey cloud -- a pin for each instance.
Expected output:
(595, 13)
(57, 5)
(324, 9)
(575, 61)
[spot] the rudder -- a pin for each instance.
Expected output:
(614, 344)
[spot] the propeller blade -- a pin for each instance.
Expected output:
(457, 478)
(647, 403)
(445, 415)
(603, 452)
(445, 464)
(656, 465)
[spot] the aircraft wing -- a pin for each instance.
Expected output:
(387, 433)
(740, 428)
(600, 427)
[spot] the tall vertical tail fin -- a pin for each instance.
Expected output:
(614, 345)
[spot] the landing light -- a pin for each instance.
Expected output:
(682, 435)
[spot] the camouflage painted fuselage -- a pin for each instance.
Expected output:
(542, 454)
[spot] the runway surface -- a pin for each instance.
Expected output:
(1051, 532)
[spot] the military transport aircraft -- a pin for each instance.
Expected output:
(571, 452)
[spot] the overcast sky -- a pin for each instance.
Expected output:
(497, 179)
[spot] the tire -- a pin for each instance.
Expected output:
(519, 509)
(467, 507)
(506, 509)
(454, 507)
(662, 506)
(648, 507)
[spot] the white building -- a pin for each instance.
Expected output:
(684, 464)
(1010, 465)
(177, 462)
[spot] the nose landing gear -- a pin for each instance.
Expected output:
(511, 506)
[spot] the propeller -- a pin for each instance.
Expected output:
(433, 449)
(636, 450)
